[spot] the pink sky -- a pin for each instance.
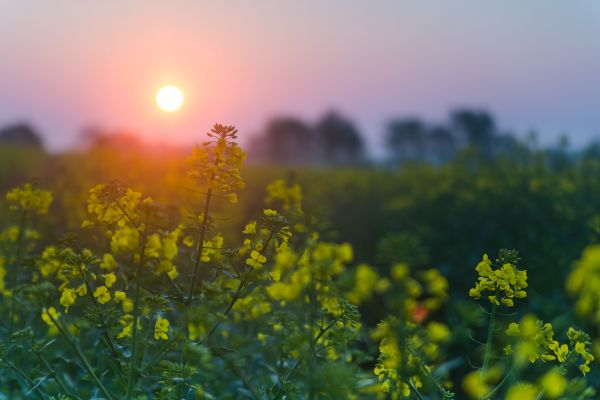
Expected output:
(66, 65)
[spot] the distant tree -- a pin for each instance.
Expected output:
(441, 144)
(285, 141)
(20, 135)
(97, 138)
(406, 139)
(339, 141)
(591, 151)
(478, 128)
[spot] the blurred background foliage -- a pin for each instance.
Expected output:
(440, 196)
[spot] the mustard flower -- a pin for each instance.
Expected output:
(256, 260)
(503, 284)
(29, 198)
(161, 329)
(102, 294)
(68, 298)
(110, 279)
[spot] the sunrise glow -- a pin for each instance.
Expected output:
(169, 98)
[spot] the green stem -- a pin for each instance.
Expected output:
(498, 386)
(425, 371)
(84, 360)
(158, 357)
(488, 348)
(415, 389)
(15, 280)
(53, 372)
(136, 311)
(236, 295)
(23, 375)
(105, 333)
(200, 244)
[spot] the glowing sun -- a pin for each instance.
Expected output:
(169, 98)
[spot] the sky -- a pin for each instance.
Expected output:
(70, 65)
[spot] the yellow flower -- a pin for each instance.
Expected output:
(50, 314)
(102, 294)
(505, 283)
(437, 332)
(161, 328)
(81, 290)
(110, 279)
(108, 262)
(522, 391)
(554, 384)
(120, 296)
(250, 228)
(29, 198)
(256, 260)
(68, 298)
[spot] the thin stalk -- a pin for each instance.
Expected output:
(158, 357)
(52, 371)
(23, 375)
(84, 360)
(426, 372)
(107, 338)
(136, 311)
(415, 389)
(200, 244)
(292, 370)
(488, 348)
(15, 280)
(498, 386)
(236, 295)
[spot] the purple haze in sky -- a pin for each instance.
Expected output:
(67, 65)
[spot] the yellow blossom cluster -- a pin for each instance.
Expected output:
(113, 204)
(536, 341)
(161, 250)
(502, 285)
(216, 164)
(366, 282)
(161, 328)
(11, 234)
(289, 196)
(552, 385)
(29, 198)
(584, 283)
(319, 263)
(2, 275)
(405, 352)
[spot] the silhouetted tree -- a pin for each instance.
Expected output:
(338, 140)
(441, 144)
(285, 141)
(21, 135)
(477, 127)
(406, 139)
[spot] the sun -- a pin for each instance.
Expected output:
(169, 98)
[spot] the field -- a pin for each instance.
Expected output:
(138, 275)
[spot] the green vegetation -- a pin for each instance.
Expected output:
(140, 276)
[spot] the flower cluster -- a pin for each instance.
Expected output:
(406, 354)
(29, 198)
(536, 342)
(503, 284)
(584, 283)
(113, 203)
(216, 165)
(288, 195)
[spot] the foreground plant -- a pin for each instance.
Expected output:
(171, 309)
(533, 341)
